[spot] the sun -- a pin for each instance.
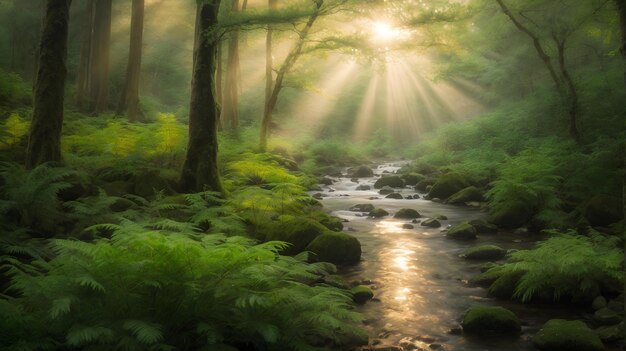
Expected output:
(384, 32)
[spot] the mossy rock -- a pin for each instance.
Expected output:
(504, 286)
(395, 196)
(378, 213)
(606, 316)
(390, 181)
(448, 185)
(361, 172)
(511, 215)
(386, 190)
(485, 252)
(331, 222)
(412, 178)
(484, 227)
(363, 187)
(602, 210)
(407, 213)
(361, 294)
(612, 333)
(487, 319)
(297, 231)
(424, 184)
(325, 181)
(362, 208)
(599, 303)
(562, 335)
(469, 194)
(337, 248)
(463, 231)
(431, 223)
(487, 277)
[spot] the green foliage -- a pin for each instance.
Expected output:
(566, 266)
(149, 289)
(14, 91)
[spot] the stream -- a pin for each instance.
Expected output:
(418, 277)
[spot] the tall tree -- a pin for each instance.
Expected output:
(129, 100)
(200, 171)
(85, 54)
(44, 142)
(100, 52)
(269, 58)
(286, 66)
(230, 97)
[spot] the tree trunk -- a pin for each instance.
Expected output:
(572, 94)
(230, 102)
(100, 51)
(269, 59)
(218, 86)
(44, 142)
(287, 65)
(129, 100)
(200, 171)
(82, 84)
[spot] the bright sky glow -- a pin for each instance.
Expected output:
(384, 32)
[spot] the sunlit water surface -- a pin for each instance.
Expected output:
(419, 280)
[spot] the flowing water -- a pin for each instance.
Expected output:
(419, 280)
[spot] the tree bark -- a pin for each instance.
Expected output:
(269, 58)
(572, 93)
(82, 84)
(44, 142)
(230, 101)
(129, 100)
(100, 52)
(287, 65)
(200, 171)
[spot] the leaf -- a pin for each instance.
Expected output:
(60, 307)
(145, 332)
(80, 335)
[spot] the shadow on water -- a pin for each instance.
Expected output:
(419, 280)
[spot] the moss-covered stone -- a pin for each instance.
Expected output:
(362, 294)
(469, 194)
(447, 185)
(487, 319)
(386, 190)
(337, 248)
(407, 213)
(463, 231)
(391, 181)
(363, 187)
(431, 223)
(485, 252)
(297, 231)
(423, 185)
(395, 196)
(362, 208)
(484, 227)
(486, 278)
(362, 172)
(331, 222)
(511, 215)
(598, 303)
(602, 210)
(378, 213)
(612, 333)
(412, 178)
(562, 335)
(606, 316)
(504, 286)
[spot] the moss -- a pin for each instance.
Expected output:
(432, 223)
(485, 252)
(562, 335)
(483, 227)
(412, 178)
(468, 194)
(511, 215)
(424, 184)
(407, 213)
(395, 196)
(504, 286)
(331, 222)
(448, 185)
(391, 181)
(361, 172)
(486, 319)
(486, 278)
(362, 294)
(298, 231)
(378, 213)
(337, 248)
(463, 231)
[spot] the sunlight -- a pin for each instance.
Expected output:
(385, 32)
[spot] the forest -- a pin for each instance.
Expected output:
(301, 175)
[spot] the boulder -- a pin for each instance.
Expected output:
(431, 223)
(408, 226)
(598, 303)
(447, 185)
(336, 248)
(562, 335)
(504, 286)
(606, 316)
(362, 172)
(487, 319)
(362, 208)
(386, 190)
(487, 278)
(412, 178)
(325, 181)
(391, 181)
(424, 184)
(463, 231)
(483, 227)
(407, 213)
(394, 196)
(469, 194)
(331, 222)
(602, 210)
(485, 252)
(361, 294)
(511, 215)
(297, 231)
(378, 213)
(611, 334)
(363, 187)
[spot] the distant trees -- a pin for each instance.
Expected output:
(44, 143)
(200, 171)
(230, 102)
(129, 100)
